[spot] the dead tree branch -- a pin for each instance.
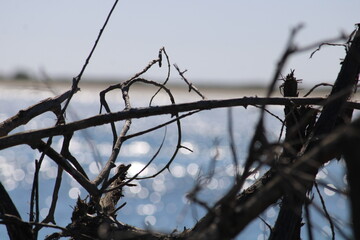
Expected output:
(26, 137)
(308, 145)
(24, 116)
(256, 199)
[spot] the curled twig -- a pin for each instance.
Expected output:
(161, 51)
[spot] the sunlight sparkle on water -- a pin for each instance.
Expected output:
(6, 170)
(188, 145)
(322, 174)
(74, 193)
(192, 169)
(104, 149)
(328, 191)
(10, 184)
(270, 213)
(18, 174)
(51, 172)
(136, 168)
(146, 209)
(144, 193)
(213, 184)
(177, 170)
(155, 197)
(94, 168)
(136, 148)
(135, 189)
(158, 184)
(44, 212)
(150, 220)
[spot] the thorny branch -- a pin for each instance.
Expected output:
(191, 86)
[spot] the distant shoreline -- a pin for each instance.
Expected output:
(211, 90)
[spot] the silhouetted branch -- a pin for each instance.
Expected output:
(257, 198)
(61, 161)
(77, 79)
(26, 137)
(24, 116)
(294, 163)
(316, 86)
(191, 86)
(125, 88)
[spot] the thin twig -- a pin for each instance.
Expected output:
(11, 218)
(126, 85)
(328, 217)
(162, 50)
(272, 114)
(160, 126)
(138, 173)
(327, 44)
(232, 144)
(267, 224)
(316, 86)
(77, 79)
(50, 216)
(309, 225)
(191, 86)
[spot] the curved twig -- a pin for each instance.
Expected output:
(316, 86)
(162, 50)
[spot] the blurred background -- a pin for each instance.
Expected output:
(228, 43)
(219, 42)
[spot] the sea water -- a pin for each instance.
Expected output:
(159, 203)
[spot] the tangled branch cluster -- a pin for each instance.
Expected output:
(313, 137)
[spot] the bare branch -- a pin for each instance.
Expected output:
(24, 116)
(316, 86)
(28, 136)
(77, 79)
(191, 86)
(250, 207)
(61, 161)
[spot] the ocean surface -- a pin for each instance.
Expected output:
(160, 203)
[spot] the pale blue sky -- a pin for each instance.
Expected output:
(229, 41)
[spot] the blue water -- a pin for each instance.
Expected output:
(160, 203)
